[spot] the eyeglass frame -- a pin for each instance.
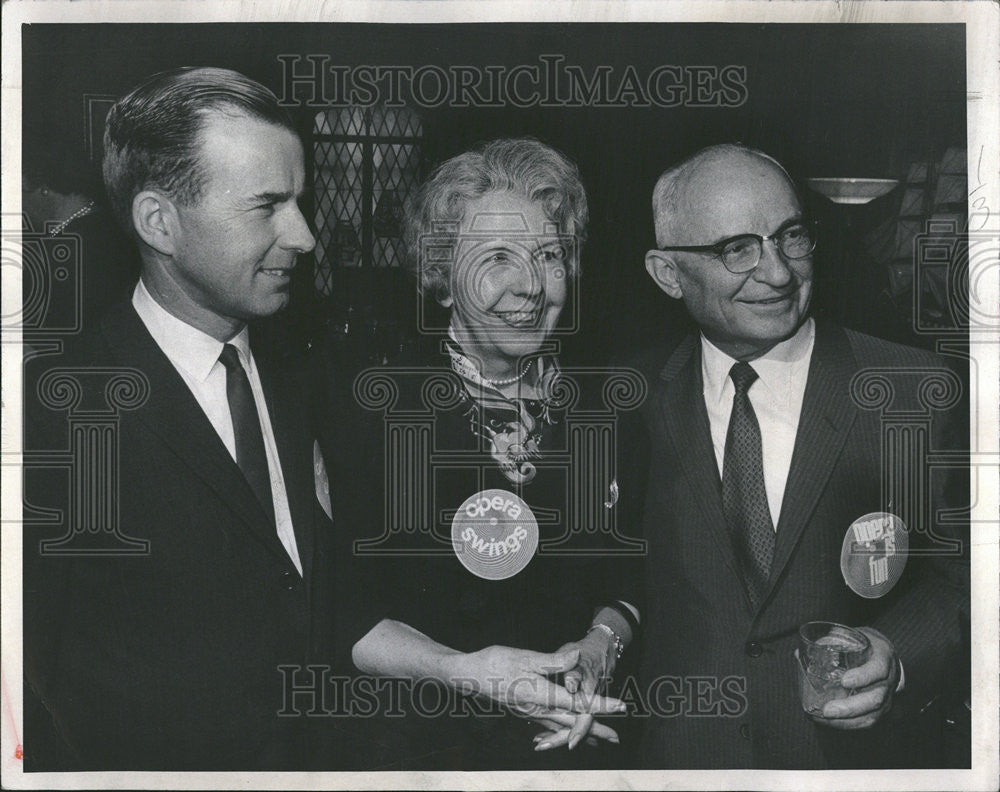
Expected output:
(716, 249)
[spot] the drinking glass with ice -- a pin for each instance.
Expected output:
(826, 651)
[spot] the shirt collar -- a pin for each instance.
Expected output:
(776, 368)
(187, 347)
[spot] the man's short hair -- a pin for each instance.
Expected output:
(151, 135)
(523, 166)
(669, 187)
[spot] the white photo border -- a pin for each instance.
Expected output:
(982, 21)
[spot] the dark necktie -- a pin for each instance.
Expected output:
(250, 454)
(744, 499)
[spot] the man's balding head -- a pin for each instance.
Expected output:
(671, 195)
(732, 198)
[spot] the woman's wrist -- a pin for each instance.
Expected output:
(612, 642)
(611, 618)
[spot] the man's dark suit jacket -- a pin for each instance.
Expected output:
(697, 619)
(170, 659)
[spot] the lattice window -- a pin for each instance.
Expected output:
(366, 161)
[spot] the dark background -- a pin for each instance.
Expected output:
(825, 100)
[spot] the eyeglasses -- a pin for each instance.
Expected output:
(741, 254)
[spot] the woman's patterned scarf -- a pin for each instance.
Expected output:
(512, 427)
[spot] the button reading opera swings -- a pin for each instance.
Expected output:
(494, 534)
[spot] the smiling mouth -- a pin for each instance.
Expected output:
(277, 272)
(519, 318)
(772, 300)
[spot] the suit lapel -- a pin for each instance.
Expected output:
(296, 454)
(682, 410)
(827, 415)
(175, 417)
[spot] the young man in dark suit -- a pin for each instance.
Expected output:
(765, 446)
(175, 645)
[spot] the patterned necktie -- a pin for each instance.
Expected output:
(250, 454)
(744, 499)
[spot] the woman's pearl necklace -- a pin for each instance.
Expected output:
(497, 383)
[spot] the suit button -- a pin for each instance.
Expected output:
(745, 731)
(754, 649)
(289, 580)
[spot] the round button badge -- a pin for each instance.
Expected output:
(874, 553)
(494, 534)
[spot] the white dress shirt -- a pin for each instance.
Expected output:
(195, 355)
(776, 397)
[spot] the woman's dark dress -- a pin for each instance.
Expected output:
(423, 584)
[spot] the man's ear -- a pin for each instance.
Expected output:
(662, 268)
(154, 217)
(446, 302)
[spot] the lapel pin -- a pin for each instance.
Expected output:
(873, 554)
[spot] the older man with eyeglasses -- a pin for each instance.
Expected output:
(761, 460)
